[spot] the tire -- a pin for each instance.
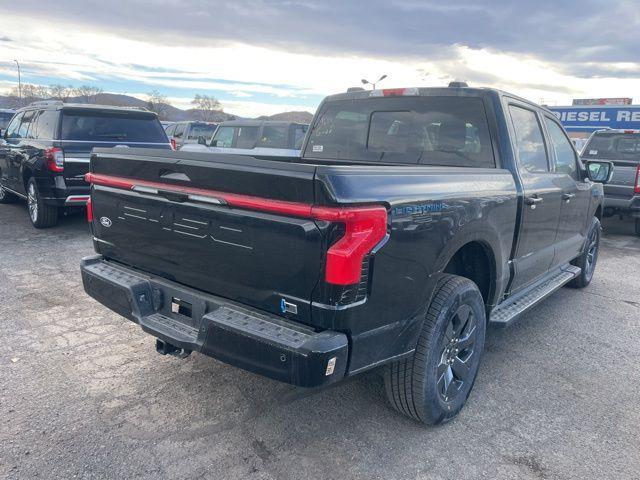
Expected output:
(6, 196)
(41, 215)
(637, 226)
(417, 387)
(588, 258)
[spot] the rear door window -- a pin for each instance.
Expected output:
(111, 127)
(532, 152)
(247, 137)
(565, 153)
(223, 137)
(179, 131)
(425, 130)
(274, 136)
(27, 121)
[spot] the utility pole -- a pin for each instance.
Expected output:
(19, 83)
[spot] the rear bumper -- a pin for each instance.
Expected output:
(244, 337)
(629, 206)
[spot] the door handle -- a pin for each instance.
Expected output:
(568, 196)
(533, 201)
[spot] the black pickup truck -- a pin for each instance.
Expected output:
(413, 218)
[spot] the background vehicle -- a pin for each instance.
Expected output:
(622, 147)
(44, 153)
(183, 133)
(412, 218)
(256, 137)
(5, 116)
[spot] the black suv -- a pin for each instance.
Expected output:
(44, 152)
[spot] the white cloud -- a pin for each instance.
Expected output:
(72, 53)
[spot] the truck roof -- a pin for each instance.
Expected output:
(427, 91)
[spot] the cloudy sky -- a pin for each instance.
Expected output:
(262, 57)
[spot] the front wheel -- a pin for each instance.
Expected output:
(434, 384)
(41, 214)
(589, 256)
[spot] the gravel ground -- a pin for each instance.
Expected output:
(84, 395)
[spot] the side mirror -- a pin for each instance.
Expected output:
(202, 140)
(599, 171)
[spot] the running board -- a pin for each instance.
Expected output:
(512, 308)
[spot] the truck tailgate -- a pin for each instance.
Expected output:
(167, 222)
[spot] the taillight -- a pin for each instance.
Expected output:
(365, 227)
(54, 159)
(89, 210)
(174, 146)
(636, 189)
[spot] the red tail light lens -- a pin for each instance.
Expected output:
(89, 210)
(637, 185)
(174, 146)
(365, 227)
(54, 159)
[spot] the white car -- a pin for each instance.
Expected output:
(255, 137)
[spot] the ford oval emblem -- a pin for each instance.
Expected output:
(105, 221)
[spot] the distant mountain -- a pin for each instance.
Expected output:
(169, 112)
(300, 117)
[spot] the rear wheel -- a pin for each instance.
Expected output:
(6, 196)
(433, 385)
(41, 215)
(587, 260)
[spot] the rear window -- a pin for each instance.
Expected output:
(613, 145)
(111, 127)
(198, 130)
(450, 131)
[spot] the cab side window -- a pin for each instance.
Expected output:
(27, 120)
(532, 152)
(565, 154)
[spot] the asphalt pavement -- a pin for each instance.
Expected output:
(83, 394)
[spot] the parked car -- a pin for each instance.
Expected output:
(185, 133)
(256, 137)
(622, 193)
(5, 116)
(45, 150)
(412, 218)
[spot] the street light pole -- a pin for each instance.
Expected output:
(19, 83)
(373, 84)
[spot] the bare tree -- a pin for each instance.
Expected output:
(206, 106)
(30, 93)
(158, 103)
(88, 93)
(60, 92)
